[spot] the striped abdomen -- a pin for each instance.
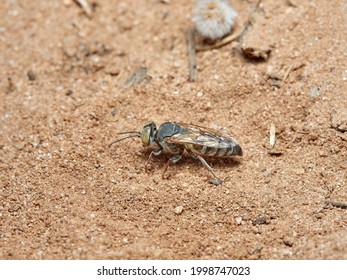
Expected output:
(223, 151)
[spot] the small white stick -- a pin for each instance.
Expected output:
(85, 6)
(272, 136)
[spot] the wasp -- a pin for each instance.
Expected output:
(175, 138)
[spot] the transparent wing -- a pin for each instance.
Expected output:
(202, 136)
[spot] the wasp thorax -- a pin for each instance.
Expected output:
(148, 134)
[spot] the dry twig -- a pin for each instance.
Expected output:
(85, 6)
(288, 71)
(272, 136)
(191, 55)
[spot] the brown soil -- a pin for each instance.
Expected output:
(65, 92)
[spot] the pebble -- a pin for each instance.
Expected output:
(200, 94)
(257, 230)
(322, 153)
(178, 210)
(312, 136)
(300, 171)
(238, 220)
(177, 64)
(261, 220)
(31, 75)
(288, 241)
(287, 253)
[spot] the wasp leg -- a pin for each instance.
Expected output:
(172, 160)
(155, 153)
(216, 181)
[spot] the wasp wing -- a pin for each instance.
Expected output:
(198, 135)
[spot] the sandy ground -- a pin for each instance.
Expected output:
(65, 93)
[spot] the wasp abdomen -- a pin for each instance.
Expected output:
(213, 151)
(211, 144)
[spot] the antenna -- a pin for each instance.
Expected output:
(130, 136)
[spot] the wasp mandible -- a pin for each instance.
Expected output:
(197, 141)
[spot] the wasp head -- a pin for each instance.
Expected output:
(148, 133)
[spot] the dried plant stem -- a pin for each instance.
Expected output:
(221, 43)
(85, 6)
(287, 72)
(191, 55)
(272, 135)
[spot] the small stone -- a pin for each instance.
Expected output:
(323, 153)
(69, 92)
(343, 137)
(256, 230)
(334, 149)
(177, 64)
(292, 3)
(312, 136)
(288, 241)
(200, 94)
(256, 53)
(67, 2)
(261, 220)
(31, 75)
(300, 171)
(287, 253)
(178, 210)
(112, 70)
(238, 220)
(338, 120)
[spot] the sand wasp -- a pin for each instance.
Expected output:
(175, 138)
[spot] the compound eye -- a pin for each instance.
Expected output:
(146, 136)
(151, 125)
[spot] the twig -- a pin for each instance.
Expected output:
(249, 20)
(221, 43)
(272, 136)
(191, 55)
(287, 73)
(85, 6)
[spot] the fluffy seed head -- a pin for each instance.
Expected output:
(214, 18)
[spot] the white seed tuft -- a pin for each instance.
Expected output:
(214, 18)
